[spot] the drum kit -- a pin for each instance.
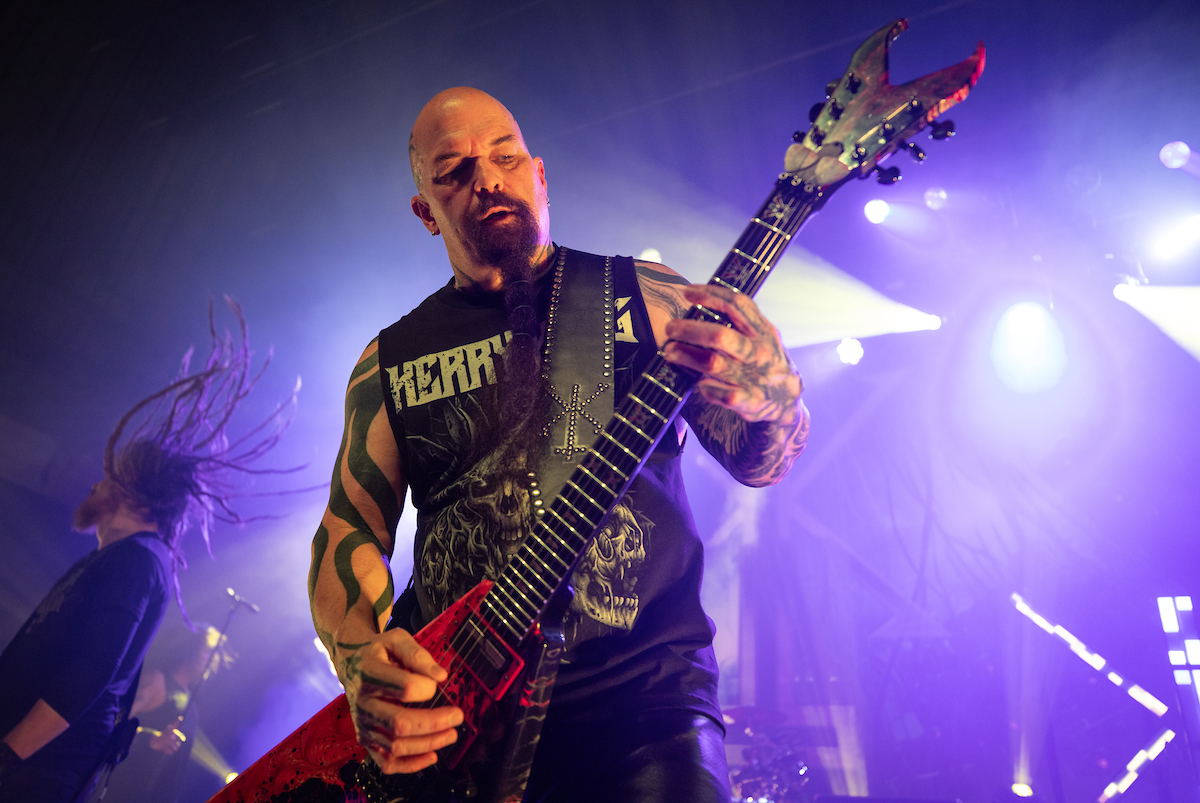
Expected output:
(769, 770)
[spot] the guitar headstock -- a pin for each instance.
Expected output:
(865, 119)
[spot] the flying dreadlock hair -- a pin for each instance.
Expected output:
(169, 454)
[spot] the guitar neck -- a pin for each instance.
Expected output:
(565, 527)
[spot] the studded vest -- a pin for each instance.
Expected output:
(637, 637)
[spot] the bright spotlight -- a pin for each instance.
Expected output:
(876, 210)
(935, 198)
(230, 776)
(1174, 310)
(651, 255)
(1027, 348)
(1175, 154)
(850, 351)
(1178, 238)
(1022, 790)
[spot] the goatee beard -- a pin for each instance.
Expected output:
(507, 247)
(95, 508)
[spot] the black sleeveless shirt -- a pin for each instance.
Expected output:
(637, 636)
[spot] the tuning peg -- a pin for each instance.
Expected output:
(887, 175)
(942, 129)
(829, 87)
(815, 112)
(914, 150)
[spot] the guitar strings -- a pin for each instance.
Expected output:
(615, 451)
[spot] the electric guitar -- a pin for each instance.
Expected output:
(497, 642)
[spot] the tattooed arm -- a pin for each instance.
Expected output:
(746, 409)
(350, 590)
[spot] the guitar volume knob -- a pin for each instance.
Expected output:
(887, 175)
(941, 130)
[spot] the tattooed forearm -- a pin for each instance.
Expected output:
(350, 583)
(755, 454)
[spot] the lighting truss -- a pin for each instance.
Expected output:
(1144, 756)
(1095, 661)
(1120, 680)
(1183, 652)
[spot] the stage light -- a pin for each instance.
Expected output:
(1095, 661)
(1183, 677)
(1183, 603)
(1022, 790)
(1143, 757)
(1177, 657)
(1151, 703)
(1176, 311)
(1175, 154)
(651, 255)
(1192, 647)
(850, 351)
(229, 778)
(1178, 238)
(935, 198)
(877, 210)
(1166, 612)
(1028, 352)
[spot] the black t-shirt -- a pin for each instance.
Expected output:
(81, 648)
(637, 636)
(148, 774)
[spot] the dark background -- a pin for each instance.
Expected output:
(156, 155)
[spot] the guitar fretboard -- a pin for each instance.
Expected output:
(566, 526)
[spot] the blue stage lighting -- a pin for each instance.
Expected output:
(877, 210)
(1028, 352)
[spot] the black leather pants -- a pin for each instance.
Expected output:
(657, 757)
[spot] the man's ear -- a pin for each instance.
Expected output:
(540, 166)
(420, 208)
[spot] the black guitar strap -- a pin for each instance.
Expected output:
(578, 364)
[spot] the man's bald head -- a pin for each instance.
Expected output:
(448, 111)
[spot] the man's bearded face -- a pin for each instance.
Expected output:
(101, 503)
(505, 239)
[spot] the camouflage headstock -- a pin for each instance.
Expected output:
(866, 119)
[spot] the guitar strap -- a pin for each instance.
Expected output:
(578, 365)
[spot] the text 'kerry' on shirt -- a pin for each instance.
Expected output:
(446, 373)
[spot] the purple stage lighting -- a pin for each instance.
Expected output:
(850, 351)
(935, 198)
(1028, 352)
(1143, 757)
(1175, 154)
(1178, 156)
(877, 210)
(1178, 238)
